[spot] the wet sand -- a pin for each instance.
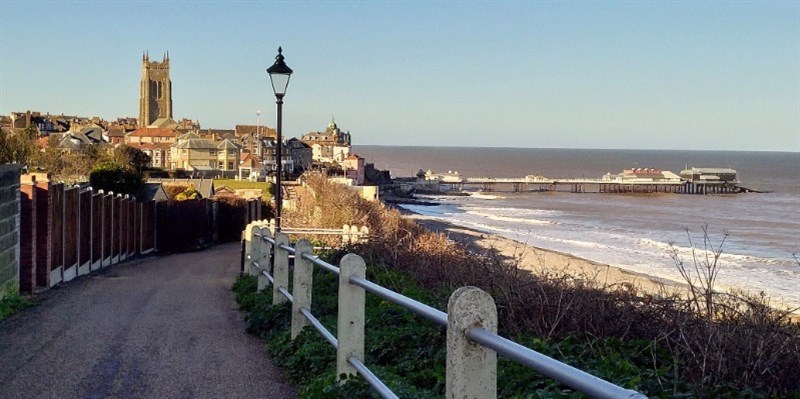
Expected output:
(539, 260)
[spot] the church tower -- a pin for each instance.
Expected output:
(155, 91)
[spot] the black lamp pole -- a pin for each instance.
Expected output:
(279, 74)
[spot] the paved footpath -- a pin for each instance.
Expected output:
(159, 327)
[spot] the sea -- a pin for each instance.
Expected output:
(759, 232)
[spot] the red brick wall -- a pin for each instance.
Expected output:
(44, 233)
(27, 238)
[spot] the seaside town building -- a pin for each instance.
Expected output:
(353, 167)
(330, 146)
(204, 156)
(301, 153)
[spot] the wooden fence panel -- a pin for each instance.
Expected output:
(131, 226)
(71, 233)
(116, 230)
(85, 232)
(108, 228)
(97, 231)
(148, 227)
(57, 242)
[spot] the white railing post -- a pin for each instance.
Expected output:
(248, 241)
(301, 286)
(280, 268)
(350, 331)
(346, 234)
(264, 257)
(252, 248)
(471, 368)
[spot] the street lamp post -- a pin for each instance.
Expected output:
(279, 74)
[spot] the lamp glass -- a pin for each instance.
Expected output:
(280, 81)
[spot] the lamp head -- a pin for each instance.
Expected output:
(279, 74)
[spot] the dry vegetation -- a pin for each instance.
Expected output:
(716, 339)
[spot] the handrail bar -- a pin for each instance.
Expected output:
(320, 328)
(419, 308)
(285, 293)
(287, 248)
(463, 302)
(257, 235)
(371, 378)
(268, 276)
(562, 372)
(321, 263)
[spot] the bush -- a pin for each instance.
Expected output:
(112, 178)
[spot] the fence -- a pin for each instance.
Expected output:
(195, 224)
(71, 231)
(350, 234)
(471, 317)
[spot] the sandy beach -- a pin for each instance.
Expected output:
(538, 260)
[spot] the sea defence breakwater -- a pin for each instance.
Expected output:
(634, 180)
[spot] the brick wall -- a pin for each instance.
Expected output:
(27, 235)
(9, 229)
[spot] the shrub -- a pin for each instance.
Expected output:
(112, 178)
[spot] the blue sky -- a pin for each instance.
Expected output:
(638, 75)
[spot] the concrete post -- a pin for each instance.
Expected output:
(301, 287)
(471, 368)
(280, 269)
(264, 257)
(253, 250)
(346, 234)
(248, 242)
(350, 323)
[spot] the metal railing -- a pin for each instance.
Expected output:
(471, 318)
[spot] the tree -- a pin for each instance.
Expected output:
(50, 159)
(131, 158)
(111, 177)
(18, 147)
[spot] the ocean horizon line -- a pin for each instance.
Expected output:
(577, 149)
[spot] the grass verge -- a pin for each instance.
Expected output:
(13, 304)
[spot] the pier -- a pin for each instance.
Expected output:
(630, 181)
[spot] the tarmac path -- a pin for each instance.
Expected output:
(158, 327)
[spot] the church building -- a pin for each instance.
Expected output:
(155, 93)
